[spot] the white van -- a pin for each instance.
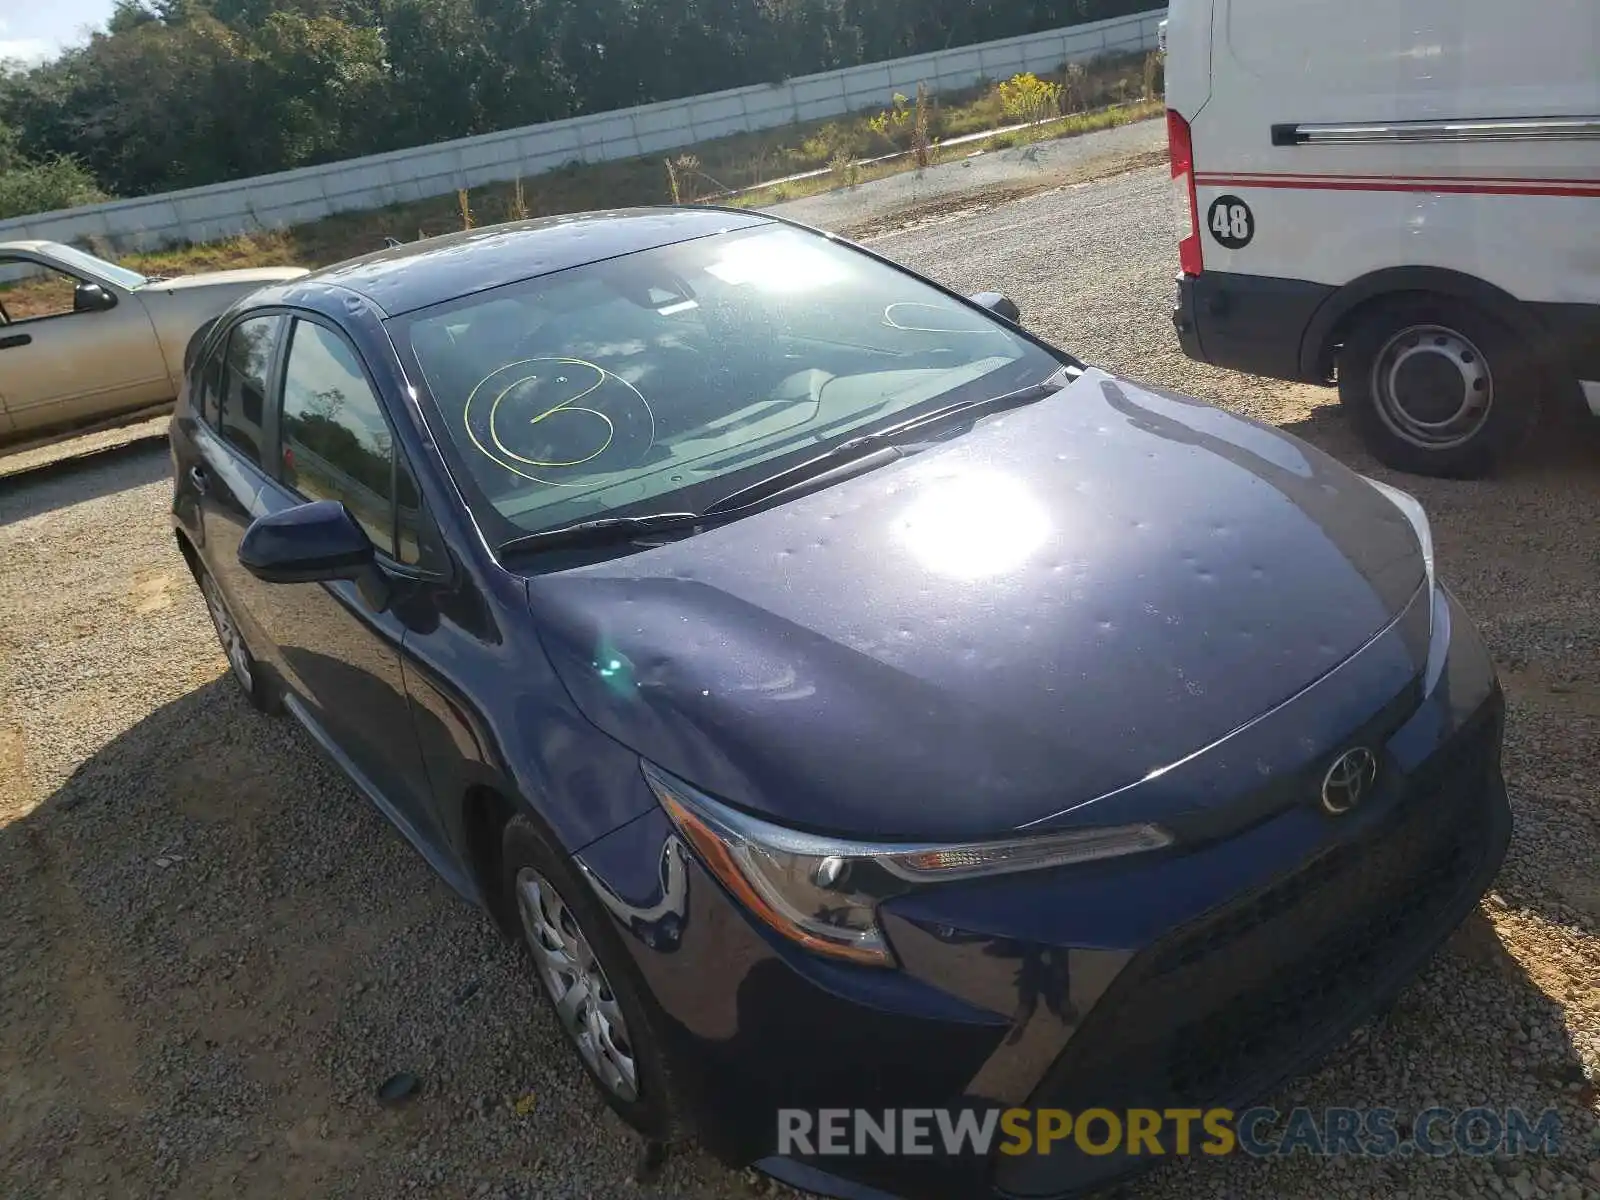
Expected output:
(1402, 194)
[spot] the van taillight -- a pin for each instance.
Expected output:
(1185, 207)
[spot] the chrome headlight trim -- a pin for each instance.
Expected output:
(1438, 607)
(823, 892)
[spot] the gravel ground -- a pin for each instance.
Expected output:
(214, 950)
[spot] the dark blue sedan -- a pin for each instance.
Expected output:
(851, 701)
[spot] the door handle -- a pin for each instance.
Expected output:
(16, 339)
(198, 477)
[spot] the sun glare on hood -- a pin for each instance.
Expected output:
(974, 525)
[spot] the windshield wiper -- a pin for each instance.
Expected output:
(858, 452)
(847, 458)
(603, 531)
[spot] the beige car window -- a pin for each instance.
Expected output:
(30, 290)
(336, 443)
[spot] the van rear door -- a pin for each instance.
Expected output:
(1188, 51)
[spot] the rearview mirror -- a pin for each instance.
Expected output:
(1000, 305)
(310, 543)
(91, 297)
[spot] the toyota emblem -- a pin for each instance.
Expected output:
(1349, 780)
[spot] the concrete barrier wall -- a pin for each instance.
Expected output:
(222, 210)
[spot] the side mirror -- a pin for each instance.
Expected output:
(1000, 305)
(310, 543)
(91, 297)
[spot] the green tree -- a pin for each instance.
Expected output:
(28, 187)
(175, 93)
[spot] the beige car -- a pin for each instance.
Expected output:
(82, 340)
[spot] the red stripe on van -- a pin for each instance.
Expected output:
(1412, 178)
(1378, 183)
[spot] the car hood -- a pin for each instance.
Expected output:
(252, 277)
(994, 630)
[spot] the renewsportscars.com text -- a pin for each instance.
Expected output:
(1259, 1132)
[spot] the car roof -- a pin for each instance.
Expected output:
(405, 278)
(27, 244)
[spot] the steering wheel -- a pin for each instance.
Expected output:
(559, 421)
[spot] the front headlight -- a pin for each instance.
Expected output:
(1438, 609)
(823, 893)
(1411, 508)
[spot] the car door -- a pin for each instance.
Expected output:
(226, 469)
(63, 362)
(336, 646)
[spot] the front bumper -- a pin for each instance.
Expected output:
(1222, 1011)
(1194, 979)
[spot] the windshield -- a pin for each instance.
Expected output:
(670, 377)
(121, 276)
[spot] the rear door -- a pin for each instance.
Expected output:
(1188, 57)
(62, 366)
(225, 463)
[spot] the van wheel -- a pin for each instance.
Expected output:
(1437, 386)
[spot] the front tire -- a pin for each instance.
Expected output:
(594, 990)
(246, 672)
(1437, 386)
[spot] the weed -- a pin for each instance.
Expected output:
(892, 122)
(919, 128)
(517, 206)
(854, 138)
(1029, 99)
(464, 203)
(682, 173)
(845, 169)
(1154, 75)
(1074, 88)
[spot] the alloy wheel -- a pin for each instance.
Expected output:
(576, 982)
(239, 661)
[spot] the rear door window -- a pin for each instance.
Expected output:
(208, 400)
(246, 365)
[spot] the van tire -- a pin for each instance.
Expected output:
(1410, 373)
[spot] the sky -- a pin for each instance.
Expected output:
(35, 29)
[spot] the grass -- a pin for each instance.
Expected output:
(1107, 91)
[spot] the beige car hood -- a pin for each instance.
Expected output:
(250, 277)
